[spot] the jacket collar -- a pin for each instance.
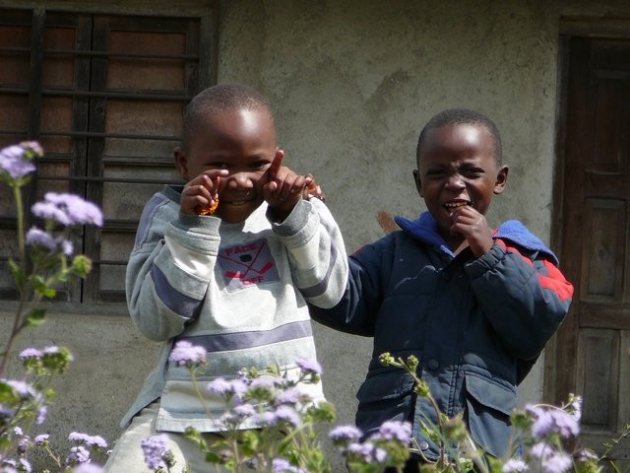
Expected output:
(424, 228)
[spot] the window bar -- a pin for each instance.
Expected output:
(104, 54)
(100, 179)
(107, 94)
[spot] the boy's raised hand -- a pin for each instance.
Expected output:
(284, 187)
(203, 190)
(474, 227)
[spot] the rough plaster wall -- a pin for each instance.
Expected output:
(352, 83)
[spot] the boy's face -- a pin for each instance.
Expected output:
(241, 141)
(457, 167)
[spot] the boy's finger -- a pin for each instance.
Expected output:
(275, 164)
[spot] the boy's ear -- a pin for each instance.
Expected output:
(501, 181)
(181, 161)
(418, 182)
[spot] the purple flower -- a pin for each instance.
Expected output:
(78, 454)
(309, 366)
(155, 451)
(186, 354)
(558, 462)
(244, 410)
(293, 396)
(88, 468)
(9, 465)
(365, 452)
(395, 430)
(280, 465)
(88, 440)
(345, 434)
(227, 389)
(554, 421)
(41, 439)
(42, 412)
(15, 162)
(514, 465)
(30, 354)
(288, 415)
(22, 389)
(551, 461)
(68, 209)
(37, 237)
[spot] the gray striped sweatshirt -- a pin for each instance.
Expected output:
(239, 290)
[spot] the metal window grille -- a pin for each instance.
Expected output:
(104, 94)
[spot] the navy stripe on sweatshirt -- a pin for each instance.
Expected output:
(243, 340)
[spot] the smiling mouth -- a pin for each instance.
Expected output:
(236, 203)
(456, 204)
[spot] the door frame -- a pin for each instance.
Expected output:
(569, 27)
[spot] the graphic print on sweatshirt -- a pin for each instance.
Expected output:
(247, 264)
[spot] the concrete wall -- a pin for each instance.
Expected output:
(352, 83)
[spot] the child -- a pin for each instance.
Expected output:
(227, 281)
(475, 305)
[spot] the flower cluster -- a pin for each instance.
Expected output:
(16, 161)
(268, 423)
(37, 274)
(156, 453)
(389, 446)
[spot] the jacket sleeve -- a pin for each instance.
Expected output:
(524, 296)
(317, 255)
(357, 310)
(169, 270)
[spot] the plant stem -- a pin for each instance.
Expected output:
(17, 321)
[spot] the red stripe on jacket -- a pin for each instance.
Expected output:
(554, 280)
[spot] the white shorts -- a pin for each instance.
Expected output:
(127, 456)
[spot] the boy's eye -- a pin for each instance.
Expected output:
(259, 164)
(472, 172)
(434, 173)
(218, 165)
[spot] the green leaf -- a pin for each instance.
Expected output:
(16, 272)
(36, 317)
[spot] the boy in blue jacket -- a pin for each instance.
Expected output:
(476, 305)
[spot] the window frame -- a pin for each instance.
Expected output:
(205, 12)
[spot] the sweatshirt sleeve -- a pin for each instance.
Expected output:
(169, 269)
(523, 294)
(316, 251)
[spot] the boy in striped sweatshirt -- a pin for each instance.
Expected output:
(235, 278)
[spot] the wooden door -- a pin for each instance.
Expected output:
(592, 350)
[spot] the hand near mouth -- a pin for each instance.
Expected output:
(473, 226)
(202, 192)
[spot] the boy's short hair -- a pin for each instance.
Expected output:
(218, 98)
(462, 116)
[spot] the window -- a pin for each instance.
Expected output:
(104, 95)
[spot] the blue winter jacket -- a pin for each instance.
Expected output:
(476, 324)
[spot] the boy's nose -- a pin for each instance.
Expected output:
(455, 181)
(240, 180)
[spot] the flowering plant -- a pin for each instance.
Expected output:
(545, 437)
(272, 424)
(37, 273)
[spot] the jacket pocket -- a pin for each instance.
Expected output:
(489, 406)
(387, 395)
